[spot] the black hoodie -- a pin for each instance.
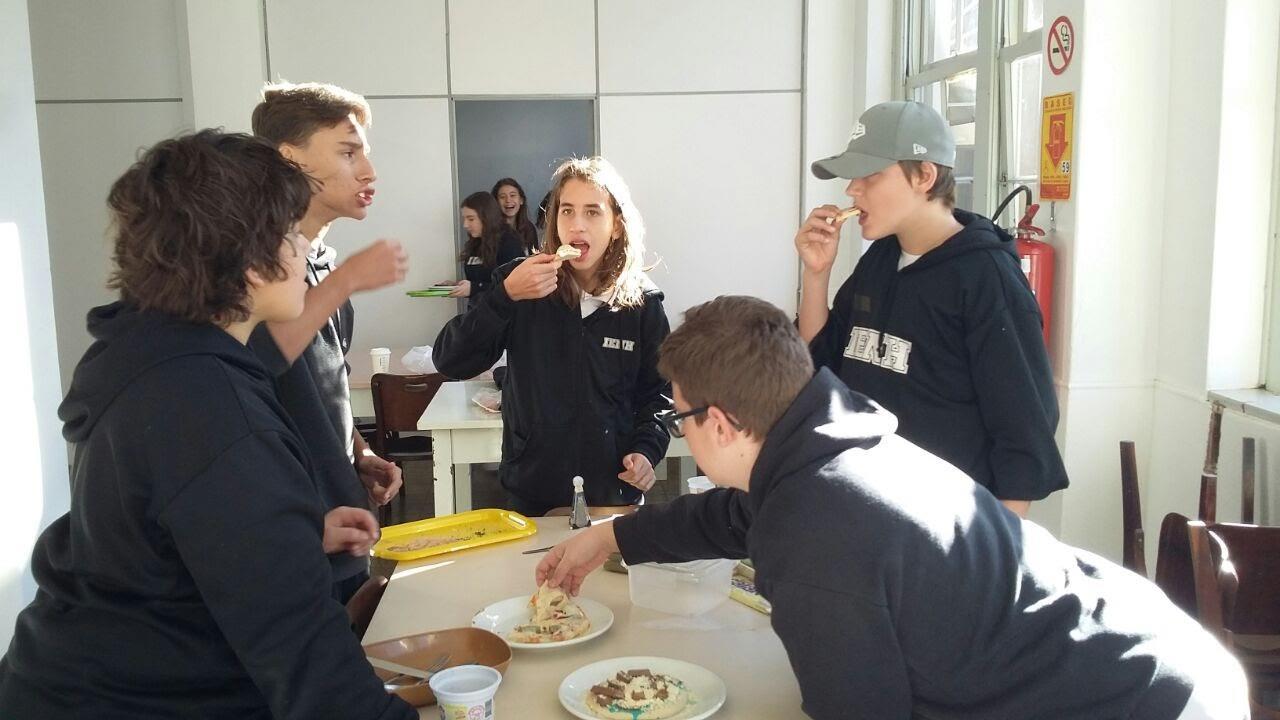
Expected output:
(579, 393)
(189, 578)
(926, 598)
(952, 345)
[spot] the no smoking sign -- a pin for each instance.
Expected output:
(1061, 45)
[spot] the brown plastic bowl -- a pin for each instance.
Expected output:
(464, 646)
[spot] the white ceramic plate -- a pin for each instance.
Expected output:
(501, 617)
(707, 687)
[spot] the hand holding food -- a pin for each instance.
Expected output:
(534, 278)
(818, 239)
(554, 618)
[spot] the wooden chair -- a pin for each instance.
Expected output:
(364, 603)
(1134, 554)
(398, 402)
(1248, 473)
(1173, 553)
(1237, 580)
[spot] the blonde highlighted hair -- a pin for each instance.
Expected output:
(622, 267)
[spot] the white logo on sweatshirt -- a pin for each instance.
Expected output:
(616, 344)
(864, 345)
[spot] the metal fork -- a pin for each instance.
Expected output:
(436, 666)
(423, 681)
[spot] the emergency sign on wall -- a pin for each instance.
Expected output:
(1057, 120)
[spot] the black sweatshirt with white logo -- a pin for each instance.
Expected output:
(952, 345)
(900, 589)
(580, 393)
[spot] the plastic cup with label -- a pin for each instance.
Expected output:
(466, 692)
(380, 359)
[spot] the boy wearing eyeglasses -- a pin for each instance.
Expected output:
(900, 588)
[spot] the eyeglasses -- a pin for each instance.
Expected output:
(672, 420)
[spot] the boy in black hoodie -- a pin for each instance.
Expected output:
(894, 599)
(937, 323)
(189, 578)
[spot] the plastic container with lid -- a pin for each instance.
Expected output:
(687, 588)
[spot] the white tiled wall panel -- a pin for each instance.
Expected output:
(716, 180)
(698, 45)
(525, 47)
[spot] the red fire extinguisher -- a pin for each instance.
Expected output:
(1036, 257)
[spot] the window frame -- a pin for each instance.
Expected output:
(1001, 42)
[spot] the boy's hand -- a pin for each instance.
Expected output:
(638, 472)
(351, 530)
(381, 264)
(381, 478)
(534, 278)
(568, 564)
(817, 240)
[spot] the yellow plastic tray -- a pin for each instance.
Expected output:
(452, 533)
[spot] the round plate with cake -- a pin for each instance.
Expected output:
(642, 688)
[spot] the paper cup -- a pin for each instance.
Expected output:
(381, 359)
(466, 692)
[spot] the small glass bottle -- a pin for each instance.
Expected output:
(578, 517)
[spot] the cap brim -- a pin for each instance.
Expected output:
(849, 165)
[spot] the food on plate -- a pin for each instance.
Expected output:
(568, 252)
(844, 214)
(638, 695)
(554, 618)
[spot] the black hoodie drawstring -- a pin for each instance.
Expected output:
(881, 318)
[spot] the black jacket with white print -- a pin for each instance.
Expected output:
(952, 344)
(580, 393)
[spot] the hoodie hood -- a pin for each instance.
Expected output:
(825, 419)
(128, 342)
(978, 233)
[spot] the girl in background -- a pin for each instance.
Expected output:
(490, 244)
(515, 210)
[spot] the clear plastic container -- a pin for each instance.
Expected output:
(687, 588)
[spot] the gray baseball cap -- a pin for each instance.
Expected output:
(887, 133)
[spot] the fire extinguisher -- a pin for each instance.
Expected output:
(1036, 256)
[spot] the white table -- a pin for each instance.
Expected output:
(730, 640)
(462, 433)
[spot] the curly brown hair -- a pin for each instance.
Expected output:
(291, 113)
(194, 214)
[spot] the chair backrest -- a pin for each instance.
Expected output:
(1134, 556)
(398, 402)
(1237, 575)
(1173, 563)
(364, 602)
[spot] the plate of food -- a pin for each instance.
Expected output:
(548, 619)
(642, 688)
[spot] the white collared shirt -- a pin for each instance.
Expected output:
(591, 303)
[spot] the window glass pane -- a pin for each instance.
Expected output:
(950, 28)
(955, 99)
(1032, 15)
(1024, 131)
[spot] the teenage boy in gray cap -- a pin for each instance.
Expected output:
(937, 322)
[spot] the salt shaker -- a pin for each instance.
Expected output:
(579, 518)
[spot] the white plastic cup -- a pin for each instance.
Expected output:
(465, 692)
(699, 484)
(380, 359)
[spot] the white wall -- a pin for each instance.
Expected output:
(676, 84)
(36, 489)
